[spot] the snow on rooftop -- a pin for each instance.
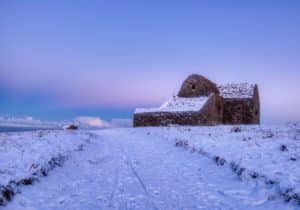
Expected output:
(237, 90)
(178, 104)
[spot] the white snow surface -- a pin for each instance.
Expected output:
(142, 168)
(22, 153)
(178, 104)
(256, 148)
(237, 90)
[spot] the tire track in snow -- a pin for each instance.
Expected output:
(110, 149)
(128, 162)
(116, 184)
(151, 175)
(112, 194)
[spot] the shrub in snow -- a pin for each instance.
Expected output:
(253, 174)
(193, 150)
(283, 148)
(40, 134)
(219, 160)
(295, 135)
(236, 129)
(268, 134)
(7, 194)
(182, 143)
(71, 127)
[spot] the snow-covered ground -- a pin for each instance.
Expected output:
(268, 154)
(26, 156)
(223, 167)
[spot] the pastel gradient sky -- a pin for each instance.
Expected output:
(61, 59)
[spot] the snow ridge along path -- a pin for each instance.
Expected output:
(268, 155)
(28, 156)
(139, 169)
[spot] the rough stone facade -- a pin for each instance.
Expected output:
(241, 110)
(210, 114)
(241, 107)
(197, 85)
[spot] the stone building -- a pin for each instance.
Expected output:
(202, 102)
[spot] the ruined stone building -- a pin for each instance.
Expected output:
(202, 102)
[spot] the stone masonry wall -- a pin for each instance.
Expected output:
(208, 115)
(242, 111)
(239, 111)
(217, 110)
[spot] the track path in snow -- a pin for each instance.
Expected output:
(131, 169)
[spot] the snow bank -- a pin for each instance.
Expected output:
(271, 153)
(26, 156)
(268, 156)
(178, 104)
(19, 151)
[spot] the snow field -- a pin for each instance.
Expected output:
(267, 154)
(27, 156)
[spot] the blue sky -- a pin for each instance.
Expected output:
(61, 59)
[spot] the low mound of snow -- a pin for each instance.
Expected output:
(21, 152)
(270, 152)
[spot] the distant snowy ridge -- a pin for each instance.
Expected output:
(26, 122)
(83, 122)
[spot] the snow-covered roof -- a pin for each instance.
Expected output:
(177, 104)
(237, 90)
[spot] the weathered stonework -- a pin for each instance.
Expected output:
(242, 110)
(231, 104)
(210, 114)
(197, 85)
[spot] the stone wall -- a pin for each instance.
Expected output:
(197, 85)
(242, 111)
(217, 110)
(210, 114)
(238, 111)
